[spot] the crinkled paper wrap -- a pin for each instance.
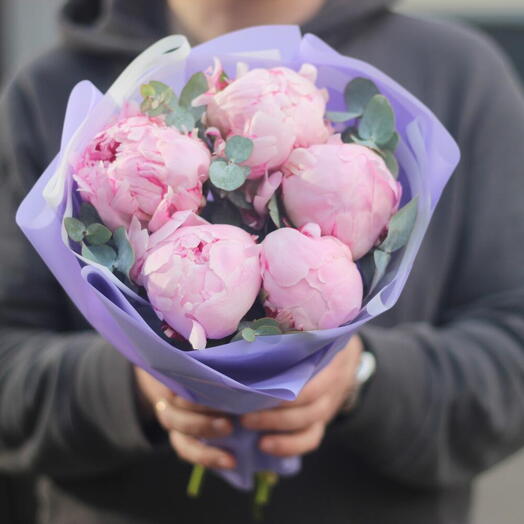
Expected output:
(240, 376)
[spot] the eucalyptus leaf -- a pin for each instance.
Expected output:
(238, 149)
(274, 212)
(244, 324)
(157, 97)
(147, 90)
(391, 162)
(75, 229)
(400, 227)
(146, 106)
(165, 97)
(392, 143)
(172, 104)
(266, 321)
(381, 260)
(157, 111)
(378, 122)
(197, 112)
(88, 214)
(267, 331)
(358, 94)
(182, 119)
(97, 234)
(196, 86)
(248, 334)
(246, 170)
(125, 254)
(159, 87)
(227, 176)
(241, 326)
(367, 143)
(103, 255)
(339, 116)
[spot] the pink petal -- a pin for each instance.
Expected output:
(197, 337)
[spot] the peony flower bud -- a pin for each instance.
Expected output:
(344, 188)
(309, 282)
(202, 279)
(279, 109)
(139, 167)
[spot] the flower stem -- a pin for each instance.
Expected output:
(195, 481)
(265, 481)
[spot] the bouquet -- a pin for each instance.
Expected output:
(228, 216)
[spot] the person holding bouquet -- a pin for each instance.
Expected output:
(445, 401)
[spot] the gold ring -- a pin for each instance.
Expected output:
(161, 405)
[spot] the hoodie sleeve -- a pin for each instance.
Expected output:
(447, 399)
(67, 399)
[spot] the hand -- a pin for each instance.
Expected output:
(186, 423)
(296, 428)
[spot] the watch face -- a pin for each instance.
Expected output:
(365, 371)
(366, 368)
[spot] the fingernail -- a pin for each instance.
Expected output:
(224, 462)
(220, 424)
(268, 446)
(161, 405)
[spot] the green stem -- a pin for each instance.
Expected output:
(195, 481)
(265, 481)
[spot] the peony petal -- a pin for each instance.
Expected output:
(197, 337)
(311, 230)
(309, 72)
(178, 220)
(158, 259)
(265, 191)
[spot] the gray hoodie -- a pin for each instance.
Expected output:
(447, 400)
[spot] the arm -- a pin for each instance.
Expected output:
(67, 399)
(447, 400)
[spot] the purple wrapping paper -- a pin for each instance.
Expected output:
(238, 377)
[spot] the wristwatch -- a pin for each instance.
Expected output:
(365, 371)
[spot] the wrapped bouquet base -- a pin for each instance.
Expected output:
(240, 376)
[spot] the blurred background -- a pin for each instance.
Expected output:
(27, 27)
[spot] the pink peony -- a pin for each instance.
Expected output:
(344, 188)
(143, 242)
(310, 282)
(139, 167)
(279, 109)
(201, 279)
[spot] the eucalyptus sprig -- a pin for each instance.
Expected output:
(98, 244)
(375, 263)
(226, 173)
(374, 125)
(262, 327)
(274, 211)
(159, 99)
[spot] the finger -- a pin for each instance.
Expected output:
(192, 450)
(191, 423)
(293, 418)
(150, 388)
(315, 388)
(182, 403)
(292, 444)
(325, 379)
